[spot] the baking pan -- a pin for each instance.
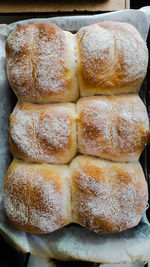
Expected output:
(5, 90)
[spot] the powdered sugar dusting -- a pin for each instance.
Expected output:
(108, 204)
(116, 129)
(41, 204)
(41, 136)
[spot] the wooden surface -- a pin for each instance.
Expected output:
(16, 6)
(127, 4)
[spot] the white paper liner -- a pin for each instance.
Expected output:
(73, 241)
(36, 262)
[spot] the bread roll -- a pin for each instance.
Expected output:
(107, 197)
(40, 63)
(112, 127)
(43, 133)
(112, 59)
(36, 197)
(46, 64)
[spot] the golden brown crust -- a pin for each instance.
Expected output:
(40, 63)
(113, 59)
(112, 127)
(107, 197)
(36, 197)
(43, 133)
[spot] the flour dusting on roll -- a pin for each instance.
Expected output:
(112, 59)
(112, 127)
(45, 65)
(43, 133)
(40, 62)
(37, 197)
(107, 197)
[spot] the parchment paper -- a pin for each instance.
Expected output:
(73, 241)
